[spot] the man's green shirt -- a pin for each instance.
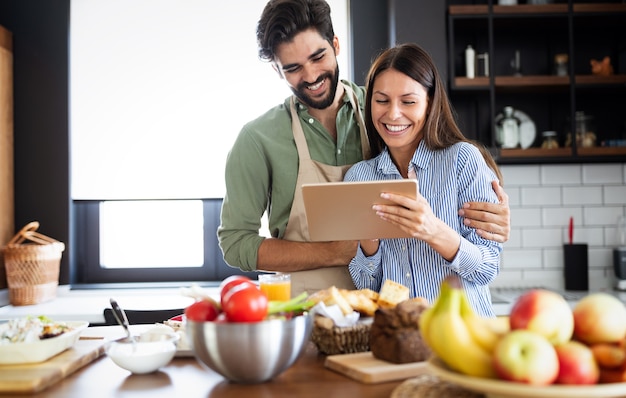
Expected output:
(262, 169)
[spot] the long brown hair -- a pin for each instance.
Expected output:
(440, 127)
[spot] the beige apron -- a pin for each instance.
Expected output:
(310, 171)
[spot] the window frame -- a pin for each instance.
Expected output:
(87, 252)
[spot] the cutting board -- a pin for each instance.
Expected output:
(34, 377)
(363, 367)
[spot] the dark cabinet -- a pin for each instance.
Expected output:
(539, 61)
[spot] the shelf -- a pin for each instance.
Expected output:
(537, 81)
(602, 151)
(535, 152)
(477, 82)
(596, 29)
(600, 7)
(529, 9)
(560, 152)
(592, 79)
(481, 9)
(531, 81)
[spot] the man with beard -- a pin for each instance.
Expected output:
(314, 136)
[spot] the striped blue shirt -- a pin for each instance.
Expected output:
(447, 178)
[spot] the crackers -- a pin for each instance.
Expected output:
(364, 301)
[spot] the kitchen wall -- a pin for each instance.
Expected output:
(542, 199)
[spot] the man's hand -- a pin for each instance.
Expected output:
(491, 221)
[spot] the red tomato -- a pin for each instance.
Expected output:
(177, 318)
(245, 303)
(232, 281)
(202, 310)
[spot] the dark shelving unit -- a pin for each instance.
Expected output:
(583, 31)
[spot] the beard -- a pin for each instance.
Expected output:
(301, 91)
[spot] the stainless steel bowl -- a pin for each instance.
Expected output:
(249, 353)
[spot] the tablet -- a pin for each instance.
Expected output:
(343, 210)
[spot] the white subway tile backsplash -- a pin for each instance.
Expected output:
(593, 236)
(551, 278)
(615, 195)
(542, 196)
(508, 278)
(603, 174)
(514, 195)
(553, 258)
(559, 216)
(533, 238)
(515, 239)
(606, 215)
(611, 237)
(542, 199)
(582, 195)
(561, 174)
(526, 217)
(600, 257)
(520, 175)
(524, 259)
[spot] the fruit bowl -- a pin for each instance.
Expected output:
(505, 389)
(249, 352)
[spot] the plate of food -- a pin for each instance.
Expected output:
(505, 389)
(36, 339)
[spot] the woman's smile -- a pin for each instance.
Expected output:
(396, 128)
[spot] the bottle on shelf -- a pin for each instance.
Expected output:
(470, 62)
(508, 134)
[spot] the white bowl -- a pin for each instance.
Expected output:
(144, 355)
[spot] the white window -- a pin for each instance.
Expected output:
(159, 89)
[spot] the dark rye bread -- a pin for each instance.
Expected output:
(395, 335)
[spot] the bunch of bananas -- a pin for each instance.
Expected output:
(464, 340)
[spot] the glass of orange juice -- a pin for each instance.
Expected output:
(277, 286)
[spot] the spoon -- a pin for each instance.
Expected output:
(120, 317)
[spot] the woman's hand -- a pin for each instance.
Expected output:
(416, 217)
(491, 221)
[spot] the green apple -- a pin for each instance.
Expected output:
(525, 356)
(544, 312)
(577, 364)
(599, 318)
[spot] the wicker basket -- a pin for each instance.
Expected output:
(331, 340)
(32, 263)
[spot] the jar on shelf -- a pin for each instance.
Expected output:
(549, 140)
(560, 64)
(585, 131)
(508, 129)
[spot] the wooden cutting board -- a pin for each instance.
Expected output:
(363, 367)
(30, 378)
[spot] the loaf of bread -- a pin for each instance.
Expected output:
(395, 335)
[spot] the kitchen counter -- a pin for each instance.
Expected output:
(89, 304)
(184, 376)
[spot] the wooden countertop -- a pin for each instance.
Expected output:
(184, 376)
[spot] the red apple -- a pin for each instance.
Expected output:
(577, 364)
(599, 318)
(544, 312)
(527, 357)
